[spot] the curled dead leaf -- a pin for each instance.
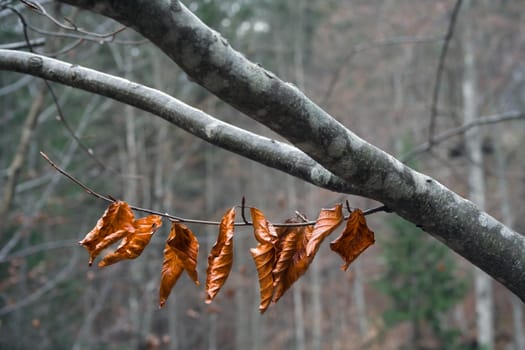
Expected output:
(133, 244)
(180, 253)
(355, 238)
(292, 260)
(115, 224)
(325, 224)
(171, 271)
(264, 256)
(220, 259)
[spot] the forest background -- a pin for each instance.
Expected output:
(385, 69)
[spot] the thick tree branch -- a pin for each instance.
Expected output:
(211, 62)
(261, 149)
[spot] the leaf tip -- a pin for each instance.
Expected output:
(102, 264)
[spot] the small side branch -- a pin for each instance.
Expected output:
(439, 71)
(245, 222)
(486, 120)
(20, 45)
(69, 26)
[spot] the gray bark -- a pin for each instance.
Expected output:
(214, 64)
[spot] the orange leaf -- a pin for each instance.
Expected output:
(171, 271)
(292, 261)
(220, 260)
(326, 223)
(133, 244)
(115, 224)
(264, 256)
(354, 240)
(180, 253)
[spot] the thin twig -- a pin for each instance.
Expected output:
(65, 49)
(19, 45)
(337, 73)
(439, 71)
(243, 214)
(348, 207)
(70, 177)
(71, 26)
(180, 219)
(377, 210)
(61, 116)
(491, 119)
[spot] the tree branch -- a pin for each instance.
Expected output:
(211, 62)
(266, 151)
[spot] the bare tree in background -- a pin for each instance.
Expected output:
(476, 183)
(318, 149)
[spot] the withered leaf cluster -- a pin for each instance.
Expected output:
(118, 223)
(282, 255)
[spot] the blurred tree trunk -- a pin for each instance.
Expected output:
(359, 298)
(130, 195)
(297, 290)
(473, 140)
(13, 172)
(209, 200)
(508, 219)
(257, 325)
(20, 154)
(299, 8)
(139, 318)
(163, 175)
(317, 308)
(243, 292)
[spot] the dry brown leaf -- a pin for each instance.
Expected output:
(171, 271)
(325, 224)
(115, 224)
(220, 259)
(354, 240)
(185, 244)
(264, 256)
(292, 261)
(133, 244)
(180, 253)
